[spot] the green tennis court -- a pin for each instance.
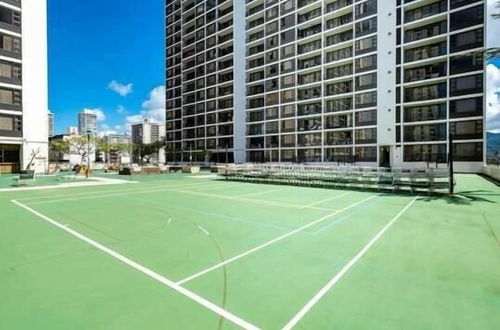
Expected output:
(193, 252)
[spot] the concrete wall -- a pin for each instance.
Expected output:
(492, 171)
(35, 84)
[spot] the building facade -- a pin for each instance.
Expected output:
(23, 86)
(370, 82)
(87, 122)
(205, 80)
(50, 114)
(147, 132)
(117, 156)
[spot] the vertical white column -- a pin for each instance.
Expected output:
(35, 84)
(239, 76)
(386, 75)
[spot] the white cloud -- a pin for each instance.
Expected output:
(101, 116)
(119, 88)
(493, 37)
(493, 98)
(152, 108)
(121, 110)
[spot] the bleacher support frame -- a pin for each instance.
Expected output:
(430, 180)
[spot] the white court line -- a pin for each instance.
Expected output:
(257, 201)
(93, 196)
(189, 294)
(91, 183)
(344, 270)
(326, 200)
(204, 230)
(142, 186)
(260, 193)
(275, 240)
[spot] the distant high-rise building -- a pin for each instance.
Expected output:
(87, 122)
(23, 86)
(366, 82)
(147, 132)
(50, 115)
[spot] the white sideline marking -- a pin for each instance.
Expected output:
(326, 200)
(275, 240)
(204, 230)
(191, 295)
(93, 196)
(344, 270)
(260, 193)
(91, 183)
(256, 201)
(93, 193)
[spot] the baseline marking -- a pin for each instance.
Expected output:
(93, 196)
(344, 270)
(189, 294)
(275, 240)
(250, 200)
(326, 200)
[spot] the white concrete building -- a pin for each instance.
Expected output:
(87, 122)
(368, 82)
(50, 115)
(147, 132)
(23, 86)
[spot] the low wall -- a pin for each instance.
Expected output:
(492, 171)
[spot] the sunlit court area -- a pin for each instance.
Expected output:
(183, 251)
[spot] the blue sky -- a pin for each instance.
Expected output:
(95, 42)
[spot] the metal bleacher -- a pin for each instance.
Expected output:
(428, 180)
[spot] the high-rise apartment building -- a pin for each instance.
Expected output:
(87, 122)
(370, 82)
(50, 115)
(206, 79)
(23, 86)
(147, 132)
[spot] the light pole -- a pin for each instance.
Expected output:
(88, 155)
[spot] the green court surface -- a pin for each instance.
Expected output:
(193, 252)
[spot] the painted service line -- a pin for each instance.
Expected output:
(277, 239)
(250, 200)
(140, 187)
(344, 270)
(326, 200)
(189, 294)
(93, 196)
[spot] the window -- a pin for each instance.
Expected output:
(366, 81)
(366, 45)
(466, 130)
(466, 107)
(366, 27)
(366, 154)
(366, 135)
(425, 153)
(366, 9)
(466, 40)
(466, 85)
(466, 63)
(10, 97)
(466, 18)
(366, 63)
(365, 100)
(420, 133)
(468, 152)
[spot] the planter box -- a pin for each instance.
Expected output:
(191, 169)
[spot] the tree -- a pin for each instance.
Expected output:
(145, 151)
(59, 147)
(83, 146)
